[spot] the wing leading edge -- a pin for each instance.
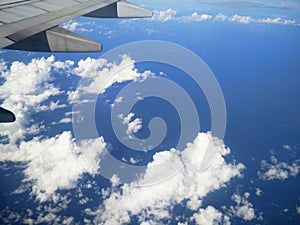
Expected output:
(33, 25)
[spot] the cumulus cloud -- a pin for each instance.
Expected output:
(278, 170)
(164, 15)
(258, 192)
(195, 17)
(114, 180)
(133, 160)
(55, 163)
(244, 208)
(210, 216)
(156, 200)
(170, 15)
(76, 26)
(243, 19)
(34, 79)
(277, 20)
(71, 25)
(52, 163)
(117, 101)
(102, 74)
(221, 17)
(133, 126)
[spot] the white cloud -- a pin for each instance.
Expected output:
(170, 15)
(74, 97)
(65, 120)
(258, 192)
(195, 17)
(55, 163)
(164, 15)
(102, 74)
(76, 26)
(248, 19)
(114, 180)
(133, 160)
(277, 20)
(188, 184)
(278, 170)
(71, 25)
(53, 106)
(26, 86)
(288, 147)
(52, 163)
(89, 67)
(62, 121)
(117, 101)
(298, 209)
(241, 19)
(126, 119)
(133, 126)
(35, 129)
(194, 203)
(221, 17)
(244, 208)
(210, 216)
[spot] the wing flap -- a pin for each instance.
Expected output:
(121, 9)
(129, 10)
(62, 40)
(57, 39)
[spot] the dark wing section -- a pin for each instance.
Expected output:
(33, 24)
(6, 116)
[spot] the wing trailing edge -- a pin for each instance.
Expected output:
(57, 39)
(121, 9)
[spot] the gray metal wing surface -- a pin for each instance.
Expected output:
(33, 25)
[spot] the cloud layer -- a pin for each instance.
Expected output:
(26, 86)
(190, 183)
(170, 15)
(57, 162)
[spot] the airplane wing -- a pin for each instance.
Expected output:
(33, 25)
(6, 116)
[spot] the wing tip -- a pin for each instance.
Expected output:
(6, 116)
